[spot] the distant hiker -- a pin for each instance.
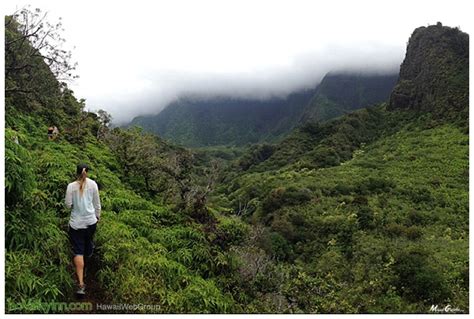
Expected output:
(55, 131)
(50, 132)
(83, 196)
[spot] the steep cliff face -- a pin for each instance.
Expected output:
(342, 93)
(434, 77)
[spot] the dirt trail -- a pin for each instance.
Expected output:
(94, 291)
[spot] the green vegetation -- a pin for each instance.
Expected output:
(140, 240)
(366, 213)
(341, 93)
(236, 122)
(389, 225)
(197, 122)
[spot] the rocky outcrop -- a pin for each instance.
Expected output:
(434, 77)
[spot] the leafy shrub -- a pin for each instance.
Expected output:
(325, 156)
(421, 195)
(231, 231)
(413, 232)
(282, 196)
(119, 204)
(394, 229)
(418, 280)
(416, 217)
(19, 176)
(365, 217)
(282, 225)
(256, 155)
(281, 249)
(374, 185)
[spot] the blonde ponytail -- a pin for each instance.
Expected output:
(82, 180)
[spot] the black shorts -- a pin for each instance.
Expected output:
(81, 240)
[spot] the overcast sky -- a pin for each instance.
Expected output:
(136, 56)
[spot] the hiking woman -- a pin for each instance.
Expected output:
(83, 196)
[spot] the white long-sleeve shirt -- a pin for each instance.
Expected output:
(85, 208)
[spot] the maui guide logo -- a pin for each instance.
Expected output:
(446, 309)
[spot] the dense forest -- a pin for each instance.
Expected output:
(364, 213)
(224, 121)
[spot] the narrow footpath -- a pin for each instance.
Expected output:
(95, 294)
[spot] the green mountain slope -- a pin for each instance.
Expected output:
(341, 93)
(373, 206)
(224, 121)
(386, 231)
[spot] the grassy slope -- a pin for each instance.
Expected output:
(406, 192)
(145, 250)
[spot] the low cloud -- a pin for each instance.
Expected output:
(160, 87)
(136, 57)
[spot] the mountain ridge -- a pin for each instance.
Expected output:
(238, 121)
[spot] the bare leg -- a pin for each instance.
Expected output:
(79, 263)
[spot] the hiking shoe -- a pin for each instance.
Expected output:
(81, 290)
